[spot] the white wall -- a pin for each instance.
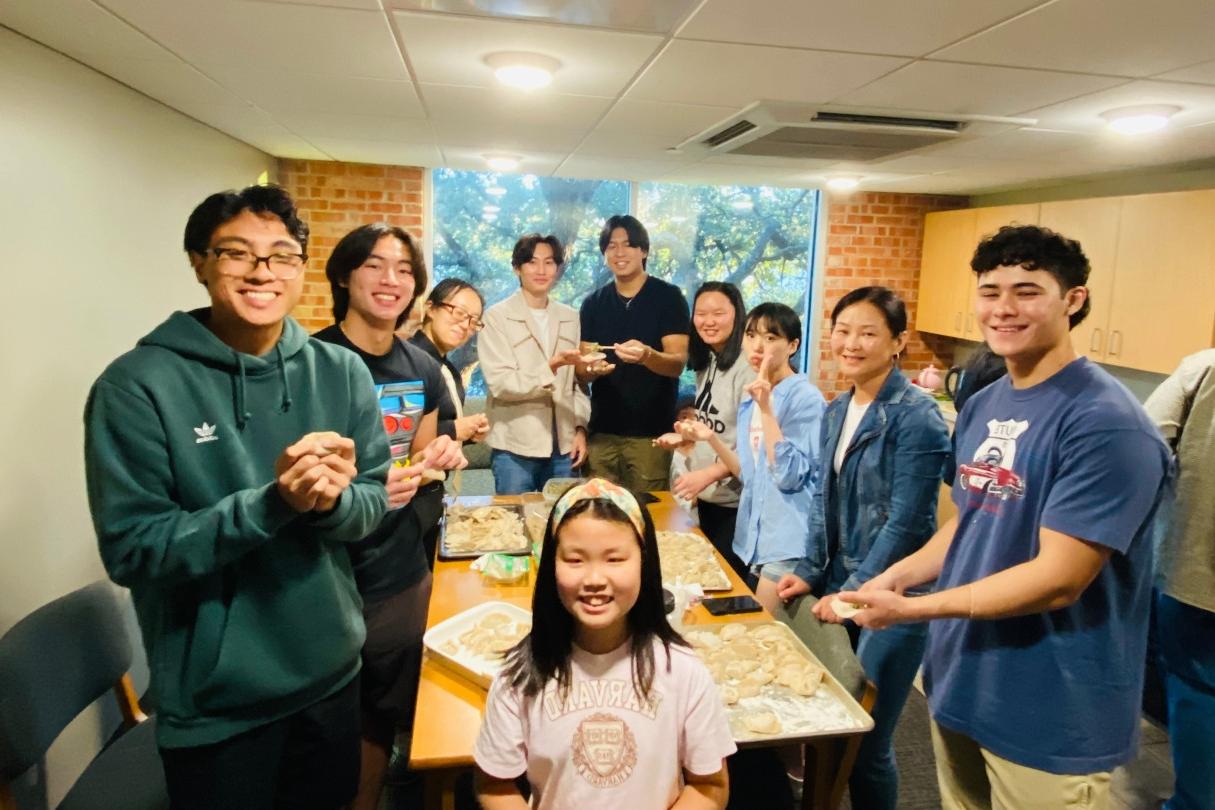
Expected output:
(96, 183)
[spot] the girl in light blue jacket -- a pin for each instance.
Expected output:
(777, 451)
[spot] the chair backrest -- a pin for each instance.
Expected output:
(53, 664)
(829, 642)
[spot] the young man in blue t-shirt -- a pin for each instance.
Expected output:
(1034, 666)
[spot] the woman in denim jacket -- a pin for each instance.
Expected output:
(883, 447)
(778, 421)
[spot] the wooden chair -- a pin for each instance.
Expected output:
(56, 662)
(829, 761)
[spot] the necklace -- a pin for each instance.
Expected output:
(625, 302)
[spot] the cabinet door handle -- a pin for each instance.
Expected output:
(970, 323)
(1115, 342)
(1094, 345)
(957, 321)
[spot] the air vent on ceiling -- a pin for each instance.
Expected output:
(798, 131)
(729, 133)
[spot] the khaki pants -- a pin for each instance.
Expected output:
(973, 778)
(634, 463)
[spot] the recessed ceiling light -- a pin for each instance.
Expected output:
(523, 71)
(492, 209)
(843, 183)
(743, 204)
(502, 163)
(1141, 119)
(495, 191)
(489, 217)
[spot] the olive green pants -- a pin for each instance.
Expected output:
(633, 462)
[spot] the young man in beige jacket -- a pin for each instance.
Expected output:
(528, 352)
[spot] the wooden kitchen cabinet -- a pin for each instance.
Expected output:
(944, 268)
(1094, 224)
(1163, 305)
(947, 284)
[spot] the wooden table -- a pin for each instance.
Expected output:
(450, 707)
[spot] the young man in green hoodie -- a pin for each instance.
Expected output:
(230, 458)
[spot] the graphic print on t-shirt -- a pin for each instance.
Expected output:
(604, 750)
(705, 410)
(401, 405)
(990, 472)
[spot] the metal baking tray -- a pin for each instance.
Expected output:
(720, 581)
(442, 642)
(521, 544)
(829, 711)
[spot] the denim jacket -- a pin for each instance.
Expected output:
(881, 507)
(774, 508)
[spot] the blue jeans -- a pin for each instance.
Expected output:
(1187, 655)
(890, 659)
(514, 473)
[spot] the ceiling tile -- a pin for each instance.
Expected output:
(451, 50)
(943, 87)
(78, 28)
(357, 127)
(168, 80)
(252, 126)
(1026, 143)
(473, 159)
(1083, 114)
(654, 16)
(1204, 73)
(516, 137)
(736, 75)
(397, 154)
(646, 147)
(482, 109)
(874, 26)
(270, 36)
(292, 91)
(672, 122)
(1115, 37)
(610, 168)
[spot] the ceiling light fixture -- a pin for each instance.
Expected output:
(502, 163)
(495, 191)
(843, 183)
(1141, 119)
(523, 71)
(491, 209)
(743, 204)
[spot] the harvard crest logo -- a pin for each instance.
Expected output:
(604, 750)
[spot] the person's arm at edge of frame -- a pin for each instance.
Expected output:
(704, 791)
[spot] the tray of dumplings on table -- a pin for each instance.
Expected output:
(689, 558)
(476, 525)
(474, 642)
(772, 686)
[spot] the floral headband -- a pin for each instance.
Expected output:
(600, 488)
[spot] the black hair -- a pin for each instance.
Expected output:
(544, 654)
(778, 319)
(525, 249)
(698, 350)
(449, 287)
(1036, 248)
(350, 253)
(887, 301)
(639, 237)
(225, 206)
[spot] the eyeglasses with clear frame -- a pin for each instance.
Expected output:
(459, 313)
(240, 262)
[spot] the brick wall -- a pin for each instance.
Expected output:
(334, 199)
(875, 238)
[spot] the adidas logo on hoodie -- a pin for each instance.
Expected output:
(206, 433)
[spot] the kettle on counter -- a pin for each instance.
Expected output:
(982, 369)
(929, 378)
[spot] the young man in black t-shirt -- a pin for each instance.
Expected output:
(642, 323)
(375, 273)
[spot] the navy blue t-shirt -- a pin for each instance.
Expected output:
(632, 400)
(1057, 691)
(408, 386)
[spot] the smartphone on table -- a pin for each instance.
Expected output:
(730, 605)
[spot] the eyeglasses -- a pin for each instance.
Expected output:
(460, 314)
(238, 262)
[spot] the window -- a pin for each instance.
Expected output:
(758, 237)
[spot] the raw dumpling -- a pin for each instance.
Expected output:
(732, 631)
(762, 722)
